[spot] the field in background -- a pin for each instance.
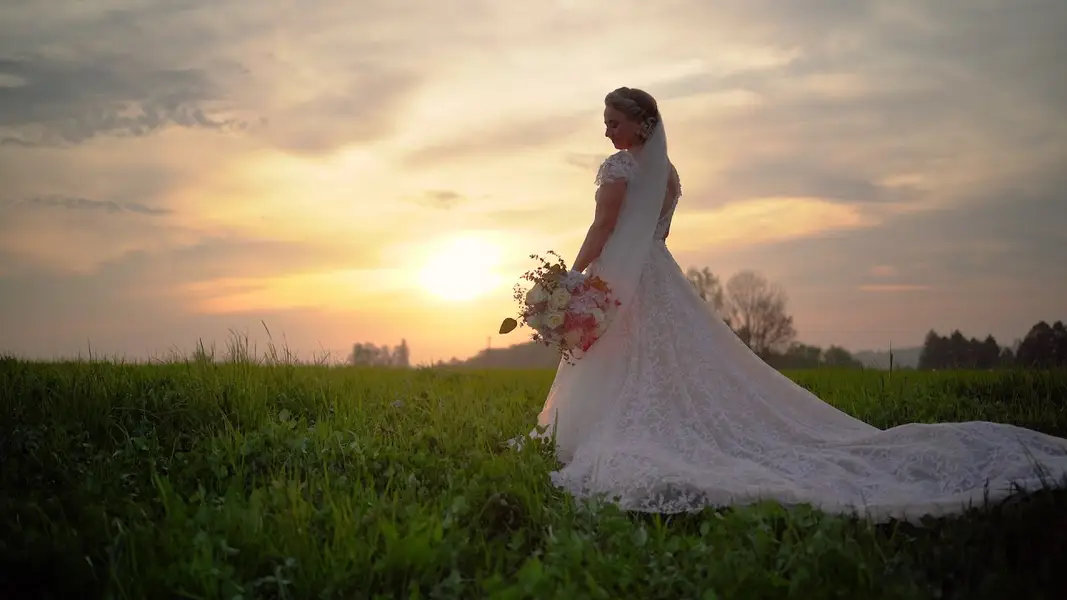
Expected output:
(238, 480)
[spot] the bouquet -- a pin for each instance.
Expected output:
(566, 309)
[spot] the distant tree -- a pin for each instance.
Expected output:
(527, 355)
(806, 356)
(836, 356)
(1007, 357)
(402, 355)
(1043, 347)
(935, 351)
(988, 353)
(756, 311)
(958, 352)
(708, 286)
(371, 355)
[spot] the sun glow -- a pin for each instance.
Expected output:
(462, 268)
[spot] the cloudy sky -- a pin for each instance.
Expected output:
(373, 170)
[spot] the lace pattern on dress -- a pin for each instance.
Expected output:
(702, 421)
(696, 419)
(621, 166)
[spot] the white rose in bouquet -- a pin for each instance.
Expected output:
(534, 321)
(560, 298)
(553, 319)
(536, 294)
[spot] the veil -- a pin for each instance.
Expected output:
(623, 257)
(582, 392)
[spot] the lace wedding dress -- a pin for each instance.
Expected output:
(669, 411)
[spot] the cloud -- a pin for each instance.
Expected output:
(893, 287)
(763, 221)
(493, 138)
(229, 156)
(161, 279)
(227, 67)
(442, 199)
(585, 162)
(794, 175)
(318, 295)
(320, 289)
(992, 265)
(366, 107)
(73, 203)
(883, 271)
(76, 234)
(1007, 237)
(71, 101)
(928, 102)
(214, 258)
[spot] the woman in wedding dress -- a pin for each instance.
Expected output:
(669, 411)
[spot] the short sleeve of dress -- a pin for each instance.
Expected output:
(621, 166)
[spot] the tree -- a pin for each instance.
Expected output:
(958, 352)
(935, 351)
(708, 286)
(371, 355)
(757, 312)
(402, 355)
(988, 353)
(806, 356)
(1007, 357)
(1043, 347)
(836, 356)
(797, 356)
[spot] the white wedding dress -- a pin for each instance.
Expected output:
(669, 411)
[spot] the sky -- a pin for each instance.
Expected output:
(377, 170)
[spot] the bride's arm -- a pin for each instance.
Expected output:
(609, 198)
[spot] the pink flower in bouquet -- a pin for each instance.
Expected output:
(566, 309)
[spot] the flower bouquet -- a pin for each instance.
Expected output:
(566, 309)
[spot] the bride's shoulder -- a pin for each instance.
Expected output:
(621, 165)
(622, 157)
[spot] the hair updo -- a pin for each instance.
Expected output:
(638, 105)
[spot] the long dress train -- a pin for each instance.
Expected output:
(671, 412)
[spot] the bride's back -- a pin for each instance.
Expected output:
(670, 202)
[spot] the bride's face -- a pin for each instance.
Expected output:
(620, 129)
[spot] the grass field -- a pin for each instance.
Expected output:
(199, 480)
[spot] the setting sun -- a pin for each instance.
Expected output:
(462, 268)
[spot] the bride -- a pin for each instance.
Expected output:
(669, 411)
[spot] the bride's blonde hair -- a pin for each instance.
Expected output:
(636, 104)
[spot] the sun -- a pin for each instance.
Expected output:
(462, 268)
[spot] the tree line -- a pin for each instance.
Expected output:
(756, 310)
(1043, 347)
(372, 355)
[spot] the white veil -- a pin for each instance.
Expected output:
(623, 257)
(582, 391)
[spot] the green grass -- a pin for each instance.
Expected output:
(200, 480)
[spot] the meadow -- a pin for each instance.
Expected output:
(244, 479)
